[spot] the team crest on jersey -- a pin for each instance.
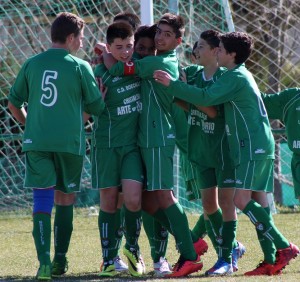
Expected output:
(259, 226)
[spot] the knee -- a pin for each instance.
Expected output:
(210, 207)
(43, 200)
(240, 203)
(63, 199)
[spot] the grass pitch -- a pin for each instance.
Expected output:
(18, 260)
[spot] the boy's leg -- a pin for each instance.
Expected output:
(263, 171)
(199, 230)
(108, 229)
(159, 162)
(158, 239)
(42, 208)
(229, 214)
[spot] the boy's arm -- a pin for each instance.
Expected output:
(18, 113)
(210, 111)
(276, 103)
(219, 93)
(93, 102)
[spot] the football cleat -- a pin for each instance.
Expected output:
(185, 267)
(162, 267)
(263, 268)
(135, 265)
(284, 256)
(44, 273)
(59, 268)
(221, 268)
(120, 265)
(200, 247)
(108, 269)
(237, 253)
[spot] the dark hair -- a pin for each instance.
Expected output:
(240, 43)
(194, 48)
(118, 30)
(65, 24)
(212, 37)
(145, 31)
(175, 21)
(131, 18)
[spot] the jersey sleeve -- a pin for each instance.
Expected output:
(143, 68)
(91, 92)
(274, 105)
(19, 92)
(220, 92)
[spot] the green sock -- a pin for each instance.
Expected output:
(211, 234)
(266, 245)
(157, 235)
(119, 225)
(107, 231)
(199, 230)
(63, 227)
(265, 225)
(228, 233)
(42, 236)
(161, 217)
(180, 229)
(133, 224)
(216, 222)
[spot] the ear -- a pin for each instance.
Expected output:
(179, 40)
(108, 47)
(233, 55)
(70, 38)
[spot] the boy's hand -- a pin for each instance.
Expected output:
(162, 77)
(100, 48)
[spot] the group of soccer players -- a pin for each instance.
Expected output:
(217, 120)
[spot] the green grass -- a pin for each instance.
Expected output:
(18, 258)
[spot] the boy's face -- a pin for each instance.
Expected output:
(165, 38)
(205, 54)
(145, 47)
(225, 59)
(122, 49)
(75, 43)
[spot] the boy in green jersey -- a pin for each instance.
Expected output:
(156, 233)
(116, 157)
(156, 138)
(285, 106)
(251, 142)
(208, 149)
(58, 87)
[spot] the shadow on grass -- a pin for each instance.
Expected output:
(95, 277)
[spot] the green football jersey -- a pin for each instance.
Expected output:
(58, 87)
(118, 124)
(156, 125)
(247, 125)
(206, 135)
(285, 106)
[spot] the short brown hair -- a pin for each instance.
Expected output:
(118, 30)
(239, 42)
(175, 21)
(64, 25)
